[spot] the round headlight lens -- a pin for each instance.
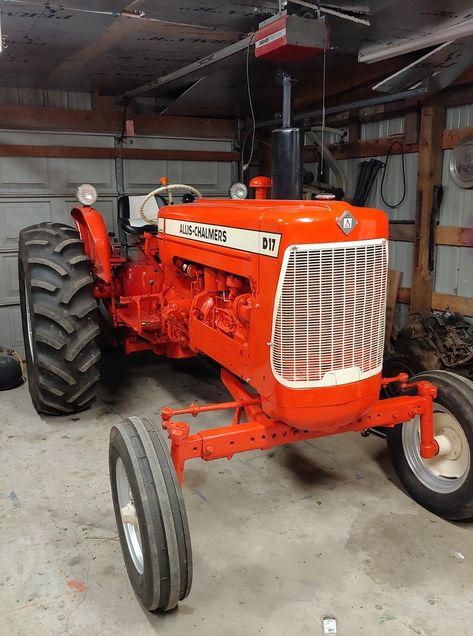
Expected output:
(87, 194)
(325, 197)
(238, 191)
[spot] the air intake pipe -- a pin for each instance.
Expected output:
(287, 150)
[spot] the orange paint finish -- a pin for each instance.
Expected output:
(262, 186)
(185, 294)
(296, 222)
(93, 232)
(77, 586)
(207, 283)
(261, 433)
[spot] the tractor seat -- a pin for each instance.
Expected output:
(129, 218)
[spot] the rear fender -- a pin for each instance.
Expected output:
(93, 232)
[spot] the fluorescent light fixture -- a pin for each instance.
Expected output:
(386, 50)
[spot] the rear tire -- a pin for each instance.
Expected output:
(150, 515)
(443, 484)
(59, 319)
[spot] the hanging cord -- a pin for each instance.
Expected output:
(245, 166)
(323, 119)
(404, 185)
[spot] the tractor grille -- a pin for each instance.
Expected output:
(329, 313)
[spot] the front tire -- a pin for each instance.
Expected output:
(443, 484)
(59, 319)
(150, 515)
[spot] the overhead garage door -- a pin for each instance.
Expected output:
(212, 178)
(35, 189)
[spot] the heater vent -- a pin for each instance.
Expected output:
(329, 313)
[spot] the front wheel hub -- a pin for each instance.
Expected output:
(449, 468)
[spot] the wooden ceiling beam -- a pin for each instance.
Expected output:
(110, 122)
(86, 152)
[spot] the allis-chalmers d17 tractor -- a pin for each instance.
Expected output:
(287, 296)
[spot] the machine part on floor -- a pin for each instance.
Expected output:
(150, 514)
(461, 163)
(438, 341)
(444, 483)
(11, 369)
(366, 178)
(59, 318)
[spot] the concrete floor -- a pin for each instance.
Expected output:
(280, 539)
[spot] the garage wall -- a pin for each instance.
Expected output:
(453, 264)
(212, 178)
(400, 253)
(35, 189)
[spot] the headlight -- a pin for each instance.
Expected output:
(87, 194)
(238, 191)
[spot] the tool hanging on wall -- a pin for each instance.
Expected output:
(434, 221)
(366, 178)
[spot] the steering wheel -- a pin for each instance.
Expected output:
(166, 189)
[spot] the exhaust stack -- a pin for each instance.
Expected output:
(287, 150)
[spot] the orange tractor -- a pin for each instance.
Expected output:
(287, 296)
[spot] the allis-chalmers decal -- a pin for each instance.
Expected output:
(254, 241)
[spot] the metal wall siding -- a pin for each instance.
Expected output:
(383, 128)
(457, 204)
(453, 265)
(459, 116)
(392, 187)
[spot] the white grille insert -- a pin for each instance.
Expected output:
(329, 313)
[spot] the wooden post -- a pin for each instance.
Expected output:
(394, 281)
(429, 173)
(411, 127)
(354, 127)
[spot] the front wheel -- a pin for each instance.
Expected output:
(443, 484)
(150, 515)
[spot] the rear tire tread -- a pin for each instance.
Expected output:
(56, 282)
